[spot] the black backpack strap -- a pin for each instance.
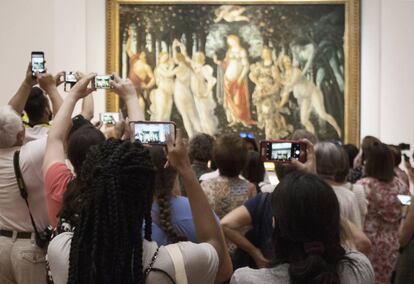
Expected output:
(22, 187)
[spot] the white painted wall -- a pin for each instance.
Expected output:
(72, 34)
(387, 90)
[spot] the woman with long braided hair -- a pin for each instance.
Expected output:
(107, 242)
(171, 214)
(107, 245)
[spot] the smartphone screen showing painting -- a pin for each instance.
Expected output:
(211, 68)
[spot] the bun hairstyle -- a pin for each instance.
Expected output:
(117, 181)
(307, 229)
(165, 179)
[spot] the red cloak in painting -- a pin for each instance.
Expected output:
(136, 81)
(236, 99)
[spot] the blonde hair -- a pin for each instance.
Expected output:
(162, 53)
(199, 57)
(235, 38)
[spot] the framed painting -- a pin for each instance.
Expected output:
(261, 67)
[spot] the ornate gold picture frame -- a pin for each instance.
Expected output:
(317, 39)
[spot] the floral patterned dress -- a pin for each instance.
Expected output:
(382, 224)
(225, 194)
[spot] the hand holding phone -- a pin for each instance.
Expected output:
(47, 82)
(306, 161)
(70, 80)
(69, 77)
(177, 153)
(152, 132)
(81, 89)
(282, 151)
(38, 63)
(102, 82)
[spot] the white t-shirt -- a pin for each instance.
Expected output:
(36, 132)
(14, 215)
(200, 260)
(359, 272)
(348, 204)
(360, 195)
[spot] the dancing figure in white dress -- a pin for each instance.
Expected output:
(202, 83)
(183, 97)
(162, 96)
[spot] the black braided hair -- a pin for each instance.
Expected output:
(164, 185)
(117, 180)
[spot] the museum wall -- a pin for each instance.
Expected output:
(72, 34)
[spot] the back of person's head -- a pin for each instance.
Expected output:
(283, 169)
(396, 154)
(230, 154)
(304, 134)
(379, 163)
(165, 180)
(11, 127)
(107, 245)
(307, 229)
(367, 143)
(81, 139)
(36, 106)
(251, 144)
(330, 159)
(79, 143)
(342, 168)
(254, 171)
(352, 151)
(201, 148)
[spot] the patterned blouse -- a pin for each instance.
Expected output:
(382, 223)
(225, 194)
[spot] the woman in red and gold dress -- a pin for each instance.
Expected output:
(236, 99)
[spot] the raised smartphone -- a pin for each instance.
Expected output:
(102, 81)
(152, 132)
(109, 117)
(283, 151)
(38, 63)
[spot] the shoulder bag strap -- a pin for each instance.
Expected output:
(178, 260)
(22, 187)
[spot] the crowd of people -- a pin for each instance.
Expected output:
(84, 204)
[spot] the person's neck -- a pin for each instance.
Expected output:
(42, 121)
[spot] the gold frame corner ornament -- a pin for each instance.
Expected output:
(351, 48)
